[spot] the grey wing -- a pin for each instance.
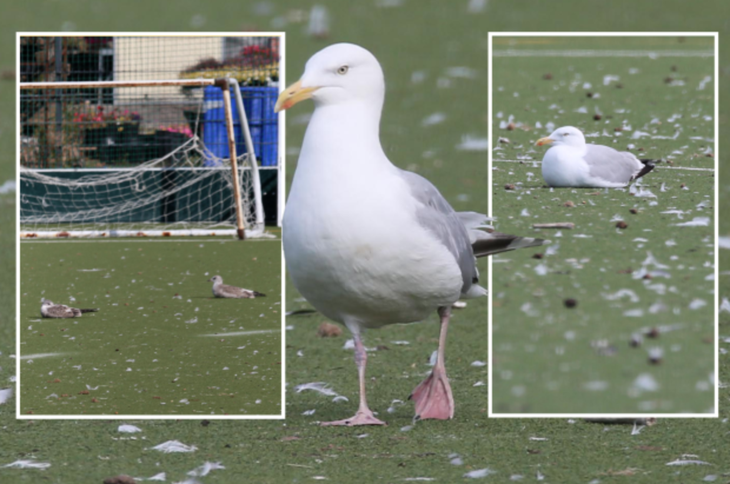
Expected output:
(227, 291)
(60, 311)
(485, 241)
(233, 291)
(611, 165)
(439, 218)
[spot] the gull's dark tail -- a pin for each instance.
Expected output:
(497, 242)
(648, 166)
(88, 310)
(258, 294)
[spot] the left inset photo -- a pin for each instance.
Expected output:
(150, 197)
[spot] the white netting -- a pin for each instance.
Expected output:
(174, 192)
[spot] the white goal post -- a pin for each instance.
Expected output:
(111, 201)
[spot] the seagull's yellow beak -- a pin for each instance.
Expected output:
(543, 141)
(292, 95)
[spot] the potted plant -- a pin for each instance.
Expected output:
(103, 126)
(252, 66)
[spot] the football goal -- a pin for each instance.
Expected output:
(142, 157)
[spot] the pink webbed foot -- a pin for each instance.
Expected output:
(360, 418)
(433, 397)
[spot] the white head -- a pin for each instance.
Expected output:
(46, 303)
(337, 74)
(565, 136)
(216, 280)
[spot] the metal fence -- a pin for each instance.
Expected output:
(125, 126)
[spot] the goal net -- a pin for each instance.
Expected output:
(134, 157)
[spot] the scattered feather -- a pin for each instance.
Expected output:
(27, 464)
(696, 222)
(174, 446)
(478, 474)
(319, 387)
(205, 469)
(688, 462)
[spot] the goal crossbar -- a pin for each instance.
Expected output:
(225, 85)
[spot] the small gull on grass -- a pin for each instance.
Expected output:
(570, 162)
(225, 291)
(50, 310)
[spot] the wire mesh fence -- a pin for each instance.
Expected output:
(126, 126)
(143, 155)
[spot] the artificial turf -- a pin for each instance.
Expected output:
(602, 356)
(161, 344)
(416, 42)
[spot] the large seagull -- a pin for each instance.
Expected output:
(369, 244)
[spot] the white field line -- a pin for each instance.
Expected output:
(131, 240)
(652, 54)
(658, 167)
(245, 333)
(42, 355)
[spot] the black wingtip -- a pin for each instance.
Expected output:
(89, 310)
(648, 166)
(259, 294)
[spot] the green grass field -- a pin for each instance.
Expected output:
(161, 344)
(552, 359)
(422, 37)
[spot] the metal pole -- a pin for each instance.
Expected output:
(224, 85)
(258, 208)
(93, 84)
(59, 141)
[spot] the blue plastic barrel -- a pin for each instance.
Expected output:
(262, 121)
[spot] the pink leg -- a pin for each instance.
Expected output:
(433, 396)
(364, 415)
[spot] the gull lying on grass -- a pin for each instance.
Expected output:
(369, 244)
(50, 310)
(224, 290)
(570, 162)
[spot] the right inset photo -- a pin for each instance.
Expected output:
(605, 145)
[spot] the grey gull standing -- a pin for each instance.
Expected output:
(570, 162)
(366, 243)
(224, 290)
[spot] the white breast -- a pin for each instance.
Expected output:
(356, 252)
(563, 166)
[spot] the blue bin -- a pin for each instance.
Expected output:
(262, 122)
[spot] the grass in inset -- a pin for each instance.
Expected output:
(552, 358)
(161, 343)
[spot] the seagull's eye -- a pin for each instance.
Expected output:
(566, 134)
(342, 70)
